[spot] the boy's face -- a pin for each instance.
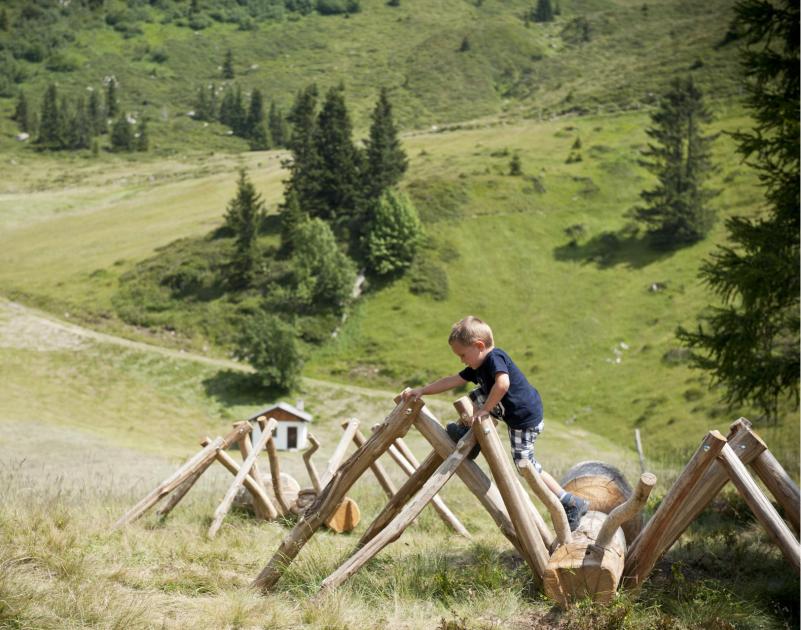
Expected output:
(471, 355)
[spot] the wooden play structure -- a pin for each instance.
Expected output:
(611, 546)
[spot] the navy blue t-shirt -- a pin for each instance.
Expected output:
(522, 403)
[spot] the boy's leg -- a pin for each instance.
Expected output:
(456, 431)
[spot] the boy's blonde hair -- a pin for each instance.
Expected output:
(469, 330)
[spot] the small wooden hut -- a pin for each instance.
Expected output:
(291, 434)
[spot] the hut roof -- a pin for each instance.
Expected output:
(290, 409)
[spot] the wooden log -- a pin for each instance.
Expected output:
(200, 461)
(345, 518)
(761, 507)
(627, 510)
(228, 499)
(408, 463)
(245, 448)
(411, 511)
(649, 545)
(549, 500)
(339, 452)
(256, 490)
(310, 467)
(180, 492)
(397, 502)
(747, 445)
(275, 468)
(776, 479)
(396, 424)
(470, 473)
(378, 470)
(536, 554)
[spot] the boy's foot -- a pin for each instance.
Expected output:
(456, 431)
(575, 508)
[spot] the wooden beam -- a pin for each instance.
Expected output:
(378, 469)
(395, 425)
(536, 554)
(180, 492)
(761, 507)
(228, 499)
(649, 545)
(626, 511)
(777, 480)
(549, 500)
(310, 467)
(245, 448)
(275, 468)
(339, 452)
(411, 511)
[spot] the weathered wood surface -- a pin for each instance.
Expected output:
(180, 492)
(761, 507)
(535, 552)
(470, 473)
(781, 486)
(649, 545)
(245, 448)
(345, 518)
(549, 500)
(396, 424)
(275, 470)
(626, 511)
(604, 493)
(378, 469)
(228, 499)
(582, 568)
(256, 490)
(340, 451)
(314, 477)
(403, 519)
(200, 461)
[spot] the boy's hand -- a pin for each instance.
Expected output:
(412, 394)
(478, 415)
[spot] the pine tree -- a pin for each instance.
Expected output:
(292, 216)
(227, 106)
(238, 114)
(94, 111)
(80, 127)
(544, 11)
(305, 161)
(112, 107)
(51, 129)
(677, 211)
(255, 127)
(243, 216)
(228, 65)
(386, 160)
(142, 142)
(751, 343)
(122, 137)
(5, 24)
(21, 114)
(202, 109)
(277, 125)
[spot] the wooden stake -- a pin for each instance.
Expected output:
(378, 470)
(245, 448)
(228, 499)
(549, 500)
(536, 554)
(777, 480)
(626, 511)
(310, 467)
(411, 511)
(275, 468)
(639, 450)
(761, 507)
(180, 492)
(396, 424)
(339, 453)
(649, 545)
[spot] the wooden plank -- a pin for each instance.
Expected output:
(626, 511)
(777, 480)
(395, 425)
(549, 500)
(762, 508)
(310, 467)
(228, 499)
(536, 554)
(410, 511)
(339, 452)
(470, 473)
(275, 469)
(649, 545)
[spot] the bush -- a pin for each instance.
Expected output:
(393, 234)
(336, 7)
(62, 62)
(159, 55)
(270, 345)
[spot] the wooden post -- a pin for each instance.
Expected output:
(245, 448)
(470, 473)
(761, 507)
(396, 503)
(649, 545)
(411, 511)
(536, 555)
(777, 480)
(310, 467)
(199, 462)
(378, 470)
(228, 499)
(180, 492)
(549, 500)
(404, 457)
(275, 467)
(256, 490)
(339, 452)
(396, 424)
(627, 510)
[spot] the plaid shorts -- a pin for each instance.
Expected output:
(522, 441)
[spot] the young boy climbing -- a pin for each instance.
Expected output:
(502, 392)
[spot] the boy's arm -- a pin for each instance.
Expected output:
(438, 386)
(497, 392)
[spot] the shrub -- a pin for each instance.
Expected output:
(159, 55)
(393, 235)
(62, 62)
(270, 345)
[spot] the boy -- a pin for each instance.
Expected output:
(504, 393)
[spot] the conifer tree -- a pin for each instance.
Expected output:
(21, 114)
(677, 211)
(228, 65)
(112, 107)
(238, 114)
(203, 110)
(80, 127)
(4, 21)
(386, 160)
(255, 127)
(51, 129)
(94, 111)
(243, 216)
(292, 216)
(750, 344)
(122, 136)
(393, 234)
(142, 138)
(278, 127)
(305, 160)
(544, 11)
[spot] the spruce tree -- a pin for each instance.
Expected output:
(386, 160)
(21, 114)
(228, 65)
(51, 129)
(544, 11)
(243, 216)
(202, 109)
(393, 235)
(122, 137)
(142, 142)
(677, 211)
(750, 344)
(238, 114)
(277, 126)
(255, 127)
(5, 24)
(292, 216)
(112, 107)
(97, 118)
(304, 165)
(80, 128)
